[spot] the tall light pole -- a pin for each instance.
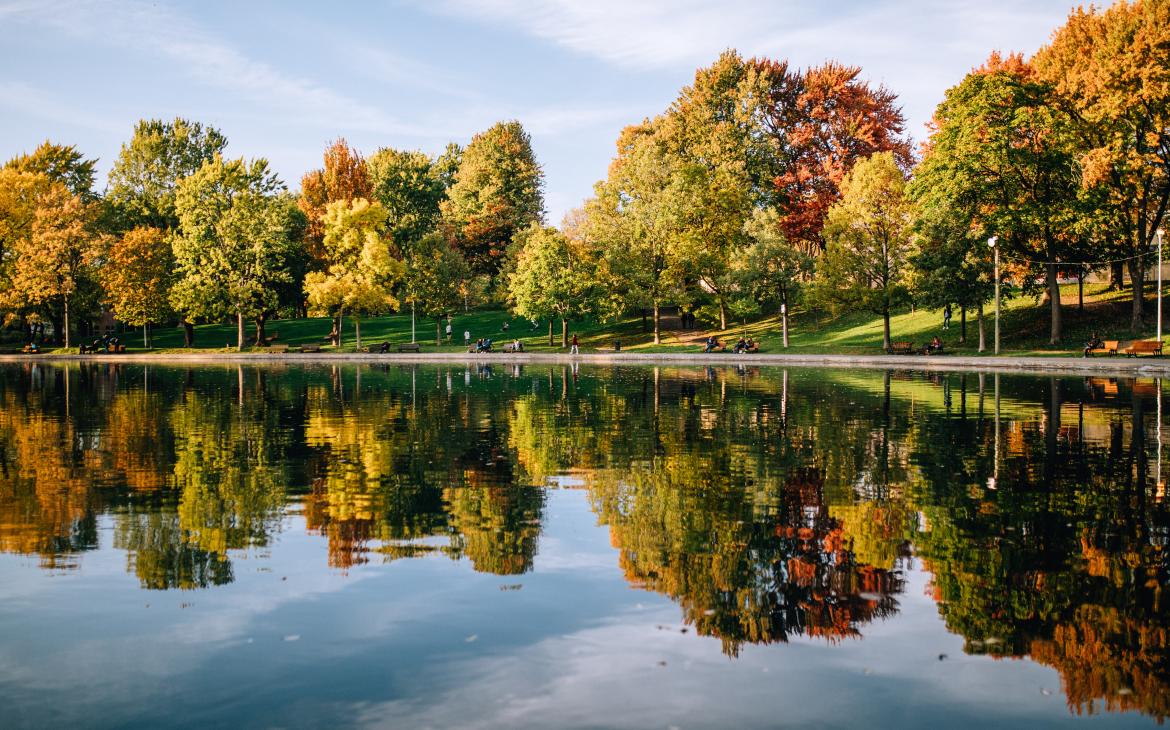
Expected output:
(991, 242)
(1160, 232)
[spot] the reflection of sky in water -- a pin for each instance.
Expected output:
(430, 643)
(669, 495)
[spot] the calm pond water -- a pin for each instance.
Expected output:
(532, 546)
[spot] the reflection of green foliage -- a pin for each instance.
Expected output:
(162, 559)
(496, 528)
(229, 470)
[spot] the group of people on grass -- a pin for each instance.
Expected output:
(742, 345)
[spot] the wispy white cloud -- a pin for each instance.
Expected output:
(166, 35)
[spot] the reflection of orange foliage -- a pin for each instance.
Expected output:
(1107, 657)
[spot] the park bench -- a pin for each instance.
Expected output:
(1108, 347)
(378, 349)
(279, 349)
(409, 347)
(1144, 347)
(511, 347)
(310, 348)
(901, 348)
(31, 349)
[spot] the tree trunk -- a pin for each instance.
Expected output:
(982, 332)
(439, 331)
(550, 333)
(886, 330)
(66, 323)
(644, 328)
(784, 314)
(261, 331)
(1054, 302)
(1115, 275)
(188, 334)
(239, 331)
(357, 331)
(146, 336)
(657, 338)
(722, 314)
(1081, 289)
(962, 325)
(1137, 276)
(564, 333)
(340, 331)
(335, 333)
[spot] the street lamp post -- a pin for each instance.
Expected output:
(991, 242)
(1160, 231)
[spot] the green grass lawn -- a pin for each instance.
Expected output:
(1024, 330)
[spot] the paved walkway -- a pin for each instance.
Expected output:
(1087, 366)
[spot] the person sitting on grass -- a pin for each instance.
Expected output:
(712, 344)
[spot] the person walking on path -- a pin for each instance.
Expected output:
(947, 317)
(574, 351)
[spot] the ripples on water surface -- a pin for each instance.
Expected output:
(535, 546)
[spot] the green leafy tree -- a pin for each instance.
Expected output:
(410, 186)
(436, 279)
(634, 220)
(1004, 150)
(143, 179)
(770, 271)
(868, 233)
(498, 192)
(552, 279)
(236, 236)
(137, 276)
(363, 269)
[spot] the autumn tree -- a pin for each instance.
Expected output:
(60, 163)
(363, 268)
(436, 279)
(236, 234)
(822, 121)
(59, 259)
(149, 167)
(137, 276)
(498, 191)
(868, 233)
(343, 177)
(1110, 68)
(552, 279)
(19, 196)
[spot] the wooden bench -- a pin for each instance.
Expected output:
(409, 347)
(511, 347)
(901, 348)
(279, 349)
(1109, 347)
(1137, 348)
(310, 348)
(379, 349)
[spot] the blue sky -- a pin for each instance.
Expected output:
(283, 78)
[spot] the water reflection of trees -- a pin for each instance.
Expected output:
(767, 504)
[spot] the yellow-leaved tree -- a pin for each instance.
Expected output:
(363, 266)
(137, 278)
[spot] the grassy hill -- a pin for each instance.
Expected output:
(1024, 330)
